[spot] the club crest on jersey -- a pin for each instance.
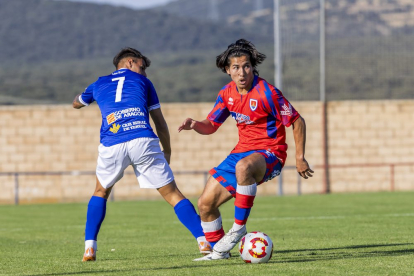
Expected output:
(114, 129)
(253, 104)
(110, 118)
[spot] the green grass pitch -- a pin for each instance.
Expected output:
(338, 234)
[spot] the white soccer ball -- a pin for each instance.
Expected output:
(256, 247)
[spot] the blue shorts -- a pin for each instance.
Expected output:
(225, 173)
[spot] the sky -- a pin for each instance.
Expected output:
(134, 4)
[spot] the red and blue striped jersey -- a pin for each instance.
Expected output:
(261, 115)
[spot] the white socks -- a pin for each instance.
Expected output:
(211, 226)
(91, 243)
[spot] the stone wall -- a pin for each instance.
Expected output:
(366, 135)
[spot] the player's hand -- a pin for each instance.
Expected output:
(188, 124)
(303, 168)
(167, 157)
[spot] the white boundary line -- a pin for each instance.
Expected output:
(327, 217)
(322, 217)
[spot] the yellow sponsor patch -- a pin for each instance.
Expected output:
(114, 129)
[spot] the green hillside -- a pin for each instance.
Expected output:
(46, 30)
(300, 18)
(51, 50)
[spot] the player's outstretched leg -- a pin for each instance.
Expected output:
(214, 195)
(244, 201)
(249, 170)
(186, 214)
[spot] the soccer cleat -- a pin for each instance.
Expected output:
(90, 255)
(214, 256)
(205, 247)
(229, 241)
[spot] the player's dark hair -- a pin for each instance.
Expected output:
(241, 47)
(130, 52)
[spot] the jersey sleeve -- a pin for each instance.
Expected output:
(153, 102)
(86, 98)
(220, 112)
(281, 108)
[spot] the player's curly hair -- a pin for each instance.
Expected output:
(130, 52)
(241, 47)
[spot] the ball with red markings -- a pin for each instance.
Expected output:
(256, 247)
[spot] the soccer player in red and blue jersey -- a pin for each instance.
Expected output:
(261, 113)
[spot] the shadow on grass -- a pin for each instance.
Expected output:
(320, 254)
(345, 247)
(149, 270)
(284, 256)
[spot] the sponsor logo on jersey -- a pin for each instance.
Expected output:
(125, 113)
(110, 118)
(274, 174)
(134, 125)
(231, 101)
(241, 118)
(253, 104)
(287, 110)
(128, 112)
(114, 129)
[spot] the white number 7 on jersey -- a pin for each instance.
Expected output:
(119, 88)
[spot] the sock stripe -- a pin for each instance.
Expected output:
(240, 222)
(244, 201)
(215, 235)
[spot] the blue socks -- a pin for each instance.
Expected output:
(97, 208)
(188, 216)
(94, 217)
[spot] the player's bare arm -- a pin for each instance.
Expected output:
(299, 134)
(204, 127)
(162, 130)
(76, 103)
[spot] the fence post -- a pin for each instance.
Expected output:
(112, 197)
(277, 44)
(280, 178)
(206, 174)
(16, 189)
